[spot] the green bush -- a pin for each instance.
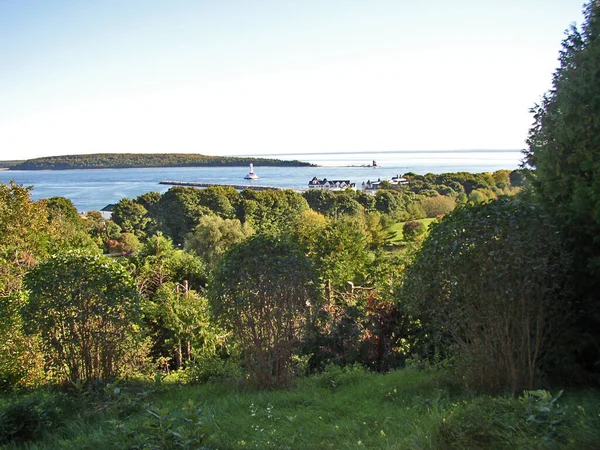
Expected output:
(437, 205)
(335, 376)
(86, 310)
(413, 229)
(29, 417)
(486, 282)
(261, 291)
(213, 369)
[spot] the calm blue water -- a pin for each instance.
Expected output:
(94, 189)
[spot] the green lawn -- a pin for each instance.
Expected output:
(396, 230)
(339, 409)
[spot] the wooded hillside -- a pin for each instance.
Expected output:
(135, 160)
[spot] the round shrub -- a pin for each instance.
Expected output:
(487, 282)
(413, 230)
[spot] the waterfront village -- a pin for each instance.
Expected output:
(370, 187)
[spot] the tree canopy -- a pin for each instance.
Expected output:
(85, 308)
(261, 290)
(564, 142)
(563, 159)
(487, 280)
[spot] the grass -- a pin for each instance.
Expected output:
(339, 409)
(397, 234)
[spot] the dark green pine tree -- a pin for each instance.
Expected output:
(564, 158)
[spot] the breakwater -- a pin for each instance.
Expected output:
(239, 187)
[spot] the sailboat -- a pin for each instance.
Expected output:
(251, 175)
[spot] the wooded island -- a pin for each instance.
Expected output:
(140, 160)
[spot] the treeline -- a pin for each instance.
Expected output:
(179, 210)
(174, 252)
(139, 160)
(9, 164)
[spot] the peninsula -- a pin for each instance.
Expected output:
(141, 160)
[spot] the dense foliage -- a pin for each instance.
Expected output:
(262, 290)
(87, 312)
(488, 281)
(133, 160)
(564, 154)
(175, 240)
(9, 164)
(29, 232)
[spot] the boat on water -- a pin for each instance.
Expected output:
(375, 164)
(251, 175)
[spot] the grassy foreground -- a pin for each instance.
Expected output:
(339, 409)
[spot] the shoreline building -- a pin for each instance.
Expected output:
(371, 187)
(330, 185)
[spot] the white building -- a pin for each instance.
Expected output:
(370, 187)
(330, 185)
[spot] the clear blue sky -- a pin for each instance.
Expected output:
(249, 76)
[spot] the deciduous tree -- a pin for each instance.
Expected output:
(488, 279)
(213, 236)
(86, 309)
(261, 291)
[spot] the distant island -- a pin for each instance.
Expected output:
(141, 160)
(4, 165)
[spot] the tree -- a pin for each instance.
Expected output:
(168, 280)
(271, 211)
(213, 236)
(342, 252)
(221, 200)
(320, 201)
(367, 201)
(86, 309)
(62, 207)
(564, 162)
(345, 205)
(517, 178)
(261, 291)
(131, 217)
(386, 201)
(159, 262)
(437, 205)
(100, 229)
(333, 204)
(307, 227)
(488, 280)
(413, 229)
(126, 244)
(68, 229)
(24, 240)
(183, 315)
(179, 211)
(24, 235)
(149, 200)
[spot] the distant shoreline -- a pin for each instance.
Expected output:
(13, 169)
(147, 160)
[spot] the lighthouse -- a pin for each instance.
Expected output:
(251, 175)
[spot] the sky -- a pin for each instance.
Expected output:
(252, 77)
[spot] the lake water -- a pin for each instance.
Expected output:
(94, 189)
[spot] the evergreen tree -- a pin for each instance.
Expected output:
(564, 158)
